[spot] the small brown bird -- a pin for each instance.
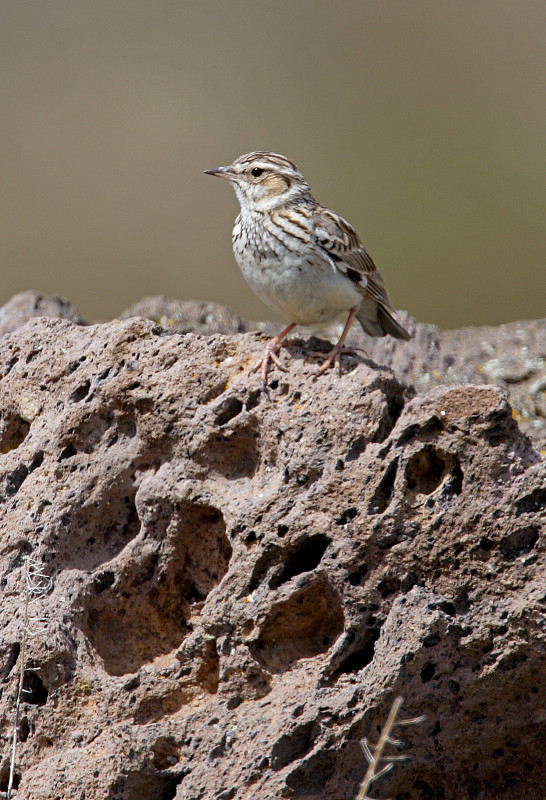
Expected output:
(303, 260)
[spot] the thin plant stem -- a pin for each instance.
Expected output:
(22, 662)
(37, 585)
(371, 774)
(380, 764)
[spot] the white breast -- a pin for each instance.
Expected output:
(291, 276)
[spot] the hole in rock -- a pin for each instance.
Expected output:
(311, 775)
(501, 426)
(455, 483)
(169, 785)
(68, 452)
(519, 542)
(228, 794)
(425, 470)
(37, 460)
(346, 516)
(253, 400)
(103, 581)
(293, 745)
(427, 673)
(302, 626)
(147, 614)
(74, 365)
(356, 449)
(165, 752)
(13, 481)
(432, 427)
(355, 577)
(250, 539)
(231, 408)
(447, 607)
(10, 363)
(395, 406)
(98, 529)
(212, 392)
(383, 494)
(303, 557)
(232, 453)
(24, 729)
(388, 586)
(11, 659)
(4, 777)
(269, 556)
(104, 374)
(532, 502)
(34, 691)
(360, 658)
(81, 392)
(126, 427)
(145, 405)
(13, 431)
(95, 427)
(431, 640)
(145, 783)
(12, 655)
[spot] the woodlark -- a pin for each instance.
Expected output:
(303, 260)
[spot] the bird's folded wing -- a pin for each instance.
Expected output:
(340, 242)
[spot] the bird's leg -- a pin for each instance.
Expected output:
(334, 356)
(271, 353)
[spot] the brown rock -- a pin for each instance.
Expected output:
(26, 305)
(183, 316)
(512, 356)
(242, 582)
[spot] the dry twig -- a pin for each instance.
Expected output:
(380, 764)
(37, 586)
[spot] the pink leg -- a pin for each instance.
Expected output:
(271, 353)
(334, 356)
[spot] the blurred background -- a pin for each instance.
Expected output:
(423, 123)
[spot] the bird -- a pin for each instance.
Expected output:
(300, 258)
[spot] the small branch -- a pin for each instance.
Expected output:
(376, 769)
(37, 586)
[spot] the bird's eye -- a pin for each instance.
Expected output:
(257, 171)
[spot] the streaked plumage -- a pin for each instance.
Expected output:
(300, 258)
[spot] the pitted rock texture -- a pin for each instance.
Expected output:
(188, 316)
(512, 356)
(243, 581)
(27, 305)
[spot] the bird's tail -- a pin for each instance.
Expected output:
(383, 324)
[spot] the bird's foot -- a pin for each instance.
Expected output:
(264, 363)
(271, 355)
(332, 359)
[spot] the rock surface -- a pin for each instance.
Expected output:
(243, 582)
(27, 305)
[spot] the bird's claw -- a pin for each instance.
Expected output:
(263, 364)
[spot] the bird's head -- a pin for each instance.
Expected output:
(264, 181)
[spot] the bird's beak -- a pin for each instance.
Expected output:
(222, 172)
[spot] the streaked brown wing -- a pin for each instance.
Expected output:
(340, 242)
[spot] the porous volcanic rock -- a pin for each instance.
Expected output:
(185, 316)
(27, 305)
(244, 580)
(512, 356)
